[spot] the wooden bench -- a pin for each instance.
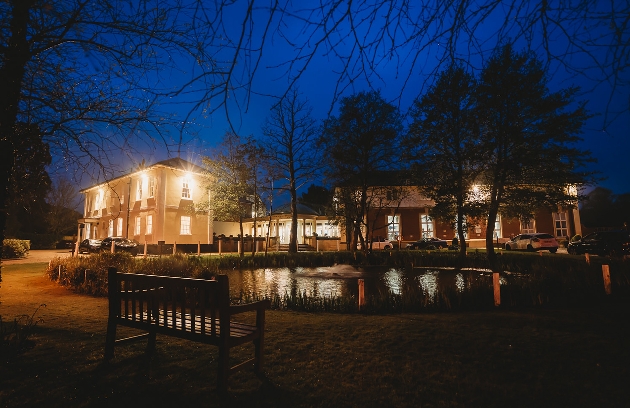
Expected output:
(194, 309)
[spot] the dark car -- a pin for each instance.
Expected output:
(602, 243)
(425, 243)
(89, 245)
(120, 244)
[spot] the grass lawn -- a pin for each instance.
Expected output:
(503, 358)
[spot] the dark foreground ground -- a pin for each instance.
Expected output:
(525, 358)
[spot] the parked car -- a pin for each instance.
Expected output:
(120, 244)
(89, 245)
(377, 243)
(602, 243)
(533, 242)
(428, 242)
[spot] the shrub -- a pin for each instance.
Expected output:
(15, 248)
(576, 237)
(14, 337)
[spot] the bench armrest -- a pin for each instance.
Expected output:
(260, 305)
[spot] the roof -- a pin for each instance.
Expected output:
(301, 209)
(173, 163)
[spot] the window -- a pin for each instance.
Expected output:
(560, 224)
(88, 230)
(149, 224)
(139, 190)
(151, 186)
(137, 228)
(393, 227)
(184, 228)
(528, 227)
(464, 226)
(426, 226)
(186, 188)
(392, 195)
(497, 227)
(119, 228)
(110, 228)
(97, 201)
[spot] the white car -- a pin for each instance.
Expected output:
(378, 243)
(533, 242)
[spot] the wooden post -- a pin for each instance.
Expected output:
(497, 288)
(174, 247)
(220, 243)
(587, 257)
(361, 294)
(606, 275)
(540, 252)
(145, 249)
(112, 249)
(59, 279)
(198, 248)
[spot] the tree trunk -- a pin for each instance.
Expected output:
(293, 244)
(16, 56)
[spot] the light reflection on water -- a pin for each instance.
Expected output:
(342, 281)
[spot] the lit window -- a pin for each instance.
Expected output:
(149, 224)
(185, 225)
(119, 227)
(497, 227)
(139, 190)
(528, 227)
(560, 224)
(110, 229)
(426, 225)
(137, 229)
(393, 227)
(152, 187)
(186, 188)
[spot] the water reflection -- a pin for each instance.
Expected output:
(342, 281)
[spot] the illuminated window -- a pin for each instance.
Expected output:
(560, 224)
(110, 228)
(119, 228)
(151, 186)
(185, 225)
(149, 224)
(426, 225)
(137, 228)
(186, 188)
(393, 227)
(528, 227)
(139, 190)
(497, 227)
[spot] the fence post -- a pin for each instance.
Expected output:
(145, 249)
(198, 248)
(587, 257)
(606, 275)
(497, 288)
(361, 294)
(220, 244)
(174, 247)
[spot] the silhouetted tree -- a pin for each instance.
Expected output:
(362, 141)
(528, 135)
(290, 134)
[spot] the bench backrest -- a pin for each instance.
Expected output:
(170, 303)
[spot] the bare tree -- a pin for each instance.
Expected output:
(63, 202)
(290, 134)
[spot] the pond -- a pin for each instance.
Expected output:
(342, 281)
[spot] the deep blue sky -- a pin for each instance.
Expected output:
(606, 134)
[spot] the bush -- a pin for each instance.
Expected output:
(15, 248)
(576, 237)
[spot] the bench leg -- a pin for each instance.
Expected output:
(258, 353)
(224, 368)
(110, 340)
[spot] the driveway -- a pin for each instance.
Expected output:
(39, 255)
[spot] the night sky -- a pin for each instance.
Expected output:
(605, 134)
